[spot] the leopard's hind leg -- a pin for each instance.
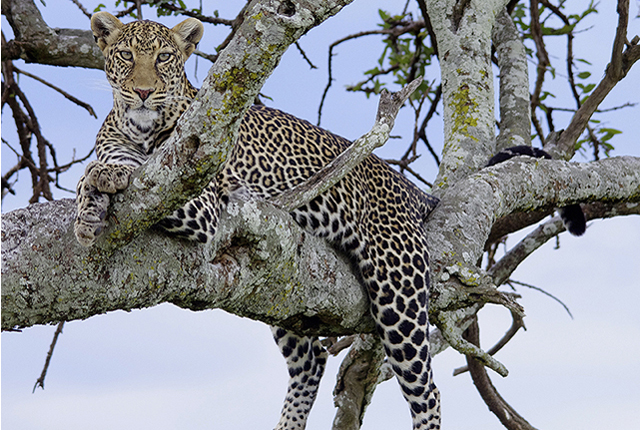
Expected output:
(306, 359)
(395, 269)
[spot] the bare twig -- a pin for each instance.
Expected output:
(422, 132)
(330, 66)
(43, 375)
(60, 90)
(404, 165)
(26, 127)
(304, 55)
(82, 8)
(546, 293)
(394, 32)
(204, 18)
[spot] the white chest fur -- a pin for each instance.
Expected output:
(142, 119)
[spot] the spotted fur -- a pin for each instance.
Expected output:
(374, 214)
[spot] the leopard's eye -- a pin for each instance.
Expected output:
(164, 56)
(126, 55)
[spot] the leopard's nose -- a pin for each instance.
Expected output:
(143, 93)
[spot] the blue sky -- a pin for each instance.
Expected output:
(166, 368)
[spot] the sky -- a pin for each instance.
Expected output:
(167, 368)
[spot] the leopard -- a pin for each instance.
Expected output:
(374, 215)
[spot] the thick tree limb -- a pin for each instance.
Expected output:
(518, 185)
(47, 277)
(65, 281)
(36, 42)
(480, 199)
(515, 107)
(272, 272)
(463, 32)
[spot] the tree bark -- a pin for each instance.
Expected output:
(515, 108)
(36, 42)
(463, 32)
(271, 270)
(522, 184)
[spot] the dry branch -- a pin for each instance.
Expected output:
(272, 271)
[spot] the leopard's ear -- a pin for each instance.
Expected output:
(106, 28)
(187, 34)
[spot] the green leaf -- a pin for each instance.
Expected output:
(610, 131)
(584, 75)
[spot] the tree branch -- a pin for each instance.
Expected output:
(270, 270)
(478, 200)
(508, 416)
(502, 270)
(68, 96)
(515, 107)
(357, 379)
(464, 46)
(36, 42)
(43, 375)
(517, 322)
(523, 185)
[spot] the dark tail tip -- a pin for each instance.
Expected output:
(573, 219)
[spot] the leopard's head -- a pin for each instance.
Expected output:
(144, 60)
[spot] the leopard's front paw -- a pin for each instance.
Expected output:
(108, 178)
(92, 211)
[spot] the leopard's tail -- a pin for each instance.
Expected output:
(573, 219)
